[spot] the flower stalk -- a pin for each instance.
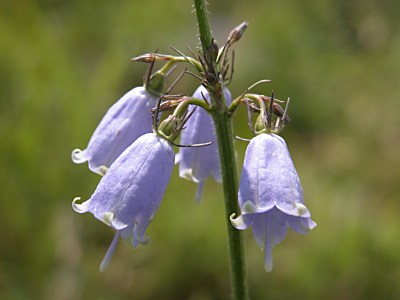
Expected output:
(223, 128)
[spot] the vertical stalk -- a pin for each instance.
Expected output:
(203, 24)
(224, 133)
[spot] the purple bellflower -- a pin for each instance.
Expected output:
(124, 122)
(131, 191)
(270, 194)
(197, 163)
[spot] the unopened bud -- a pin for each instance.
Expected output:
(156, 84)
(237, 32)
(261, 124)
(169, 126)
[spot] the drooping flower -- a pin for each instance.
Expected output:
(124, 122)
(270, 194)
(131, 191)
(197, 163)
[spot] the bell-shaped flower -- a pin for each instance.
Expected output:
(129, 194)
(270, 194)
(197, 163)
(124, 122)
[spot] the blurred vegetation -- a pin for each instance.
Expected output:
(63, 63)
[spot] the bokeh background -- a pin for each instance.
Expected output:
(63, 63)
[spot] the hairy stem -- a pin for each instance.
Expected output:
(203, 23)
(224, 132)
(223, 129)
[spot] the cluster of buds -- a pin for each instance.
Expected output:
(133, 150)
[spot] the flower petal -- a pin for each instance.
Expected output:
(270, 194)
(79, 156)
(301, 225)
(269, 178)
(129, 194)
(198, 163)
(80, 208)
(124, 122)
(239, 222)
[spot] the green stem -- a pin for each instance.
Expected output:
(203, 23)
(178, 59)
(224, 132)
(182, 107)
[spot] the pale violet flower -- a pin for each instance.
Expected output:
(124, 122)
(270, 194)
(197, 163)
(129, 194)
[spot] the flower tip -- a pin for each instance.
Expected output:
(312, 224)
(107, 258)
(188, 174)
(199, 192)
(268, 266)
(103, 267)
(79, 208)
(102, 170)
(302, 210)
(79, 156)
(238, 222)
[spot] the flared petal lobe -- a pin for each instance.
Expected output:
(197, 163)
(270, 194)
(131, 191)
(128, 119)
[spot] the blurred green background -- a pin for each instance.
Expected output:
(63, 63)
